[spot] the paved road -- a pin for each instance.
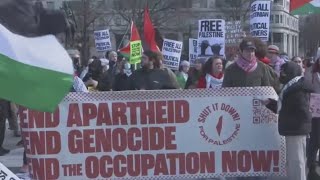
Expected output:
(13, 160)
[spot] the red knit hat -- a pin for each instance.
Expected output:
(273, 49)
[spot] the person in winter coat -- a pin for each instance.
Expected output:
(276, 61)
(247, 71)
(194, 75)
(312, 75)
(294, 117)
(212, 74)
(153, 75)
(182, 75)
(121, 80)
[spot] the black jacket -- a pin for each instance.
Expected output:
(294, 116)
(154, 79)
(121, 82)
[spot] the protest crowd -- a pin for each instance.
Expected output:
(255, 64)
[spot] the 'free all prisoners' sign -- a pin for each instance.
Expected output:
(155, 134)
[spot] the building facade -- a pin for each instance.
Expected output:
(284, 28)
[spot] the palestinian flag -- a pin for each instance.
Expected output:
(125, 51)
(34, 72)
(149, 31)
(303, 7)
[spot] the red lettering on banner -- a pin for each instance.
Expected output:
(169, 138)
(147, 162)
(92, 167)
(106, 172)
(133, 144)
(43, 142)
(88, 139)
(161, 165)
(35, 119)
(134, 164)
(244, 161)
(182, 110)
(147, 114)
(89, 111)
(45, 168)
(120, 139)
(156, 138)
(160, 112)
(193, 163)
(103, 117)
(74, 117)
(103, 143)
(170, 109)
(229, 109)
(119, 114)
(120, 171)
(133, 111)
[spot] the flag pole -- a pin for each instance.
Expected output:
(123, 36)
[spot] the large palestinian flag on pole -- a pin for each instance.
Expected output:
(303, 7)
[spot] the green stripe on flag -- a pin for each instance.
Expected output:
(306, 9)
(33, 87)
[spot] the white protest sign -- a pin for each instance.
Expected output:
(102, 40)
(193, 48)
(260, 19)
(211, 37)
(234, 33)
(171, 51)
(315, 105)
(156, 134)
(6, 174)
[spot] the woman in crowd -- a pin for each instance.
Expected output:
(182, 75)
(312, 75)
(298, 61)
(212, 74)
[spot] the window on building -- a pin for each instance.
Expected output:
(203, 3)
(277, 19)
(288, 20)
(278, 2)
(277, 37)
(50, 5)
(184, 3)
(271, 19)
(281, 19)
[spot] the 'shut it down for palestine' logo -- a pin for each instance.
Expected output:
(219, 124)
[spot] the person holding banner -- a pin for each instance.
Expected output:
(312, 75)
(212, 74)
(293, 107)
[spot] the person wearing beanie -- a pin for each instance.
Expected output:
(274, 56)
(294, 117)
(182, 75)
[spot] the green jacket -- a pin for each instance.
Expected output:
(182, 82)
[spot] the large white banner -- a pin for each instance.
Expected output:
(260, 19)
(102, 40)
(193, 48)
(211, 37)
(171, 51)
(156, 135)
